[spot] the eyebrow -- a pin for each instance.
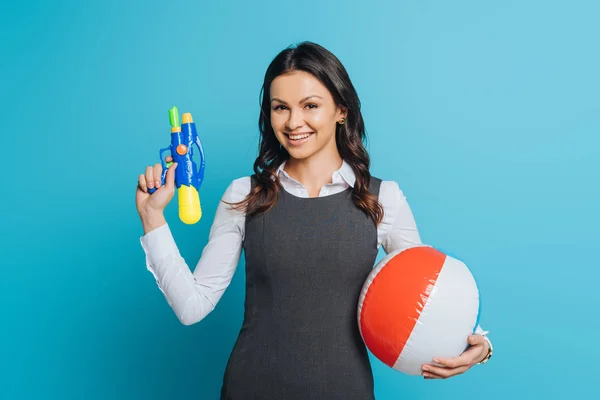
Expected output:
(301, 101)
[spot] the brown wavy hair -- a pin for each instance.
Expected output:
(350, 137)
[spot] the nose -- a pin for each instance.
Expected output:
(295, 120)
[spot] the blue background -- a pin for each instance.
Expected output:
(486, 113)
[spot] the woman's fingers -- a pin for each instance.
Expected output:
(430, 375)
(152, 177)
(157, 173)
(142, 182)
(170, 178)
(433, 372)
(149, 177)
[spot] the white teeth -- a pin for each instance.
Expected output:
(298, 137)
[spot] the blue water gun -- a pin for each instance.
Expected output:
(188, 178)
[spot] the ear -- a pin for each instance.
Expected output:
(342, 112)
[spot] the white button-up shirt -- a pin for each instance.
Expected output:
(192, 296)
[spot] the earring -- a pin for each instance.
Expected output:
(342, 121)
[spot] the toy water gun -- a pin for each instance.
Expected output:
(188, 175)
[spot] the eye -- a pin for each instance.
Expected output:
(279, 107)
(312, 105)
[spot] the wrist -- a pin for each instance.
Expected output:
(152, 219)
(490, 350)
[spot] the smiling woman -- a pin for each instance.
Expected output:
(310, 220)
(296, 120)
(303, 117)
(307, 91)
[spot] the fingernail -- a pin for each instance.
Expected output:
(157, 183)
(425, 369)
(436, 360)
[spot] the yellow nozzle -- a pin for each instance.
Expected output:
(186, 118)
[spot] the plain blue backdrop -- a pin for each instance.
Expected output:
(487, 114)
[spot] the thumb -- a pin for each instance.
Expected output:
(171, 175)
(475, 339)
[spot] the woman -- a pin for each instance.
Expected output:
(310, 220)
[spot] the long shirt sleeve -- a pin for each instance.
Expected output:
(193, 295)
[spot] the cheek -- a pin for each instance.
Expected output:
(319, 119)
(277, 123)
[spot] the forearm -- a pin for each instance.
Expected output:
(172, 274)
(181, 290)
(194, 295)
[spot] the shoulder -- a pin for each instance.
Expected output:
(390, 186)
(237, 190)
(390, 194)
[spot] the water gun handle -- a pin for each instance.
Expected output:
(163, 175)
(200, 172)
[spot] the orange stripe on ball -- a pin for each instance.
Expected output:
(395, 299)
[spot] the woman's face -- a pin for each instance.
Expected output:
(303, 114)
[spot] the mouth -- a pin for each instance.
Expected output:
(298, 138)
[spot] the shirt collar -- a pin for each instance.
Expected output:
(344, 174)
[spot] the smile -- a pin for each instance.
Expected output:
(298, 136)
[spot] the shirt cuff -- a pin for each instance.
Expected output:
(159, 244)
(480, 331)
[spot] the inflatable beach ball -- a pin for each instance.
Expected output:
(417, 304)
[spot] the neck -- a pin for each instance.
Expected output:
(315, 171)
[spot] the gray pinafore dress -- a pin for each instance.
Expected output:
(306, 262)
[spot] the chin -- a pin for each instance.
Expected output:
(300, 154)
